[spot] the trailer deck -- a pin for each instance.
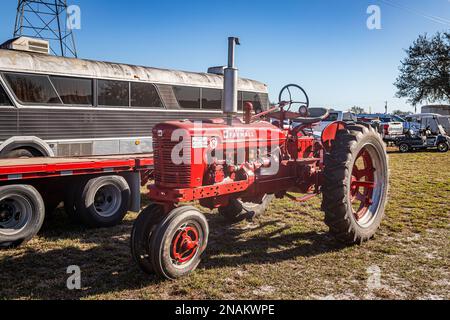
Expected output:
(38, 168)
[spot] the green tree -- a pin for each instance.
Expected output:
(401, 113)
(425, 72)
(357, 110)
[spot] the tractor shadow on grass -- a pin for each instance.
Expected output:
(39, 270)
(232, 247)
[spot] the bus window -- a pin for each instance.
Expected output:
(254, 98)
(4, 100)
(113, 93)
(211, 99)
(145, 95)
(240, 102)
(32, 88)
(187, 97)
(73, 90)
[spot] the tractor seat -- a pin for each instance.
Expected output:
(315, 115)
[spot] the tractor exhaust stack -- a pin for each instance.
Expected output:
(230, 97)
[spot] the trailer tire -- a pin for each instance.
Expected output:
(238, 210)
(178, 243)
(70, 201)
(103, 202)
(141, 236)
(351, 215)
(22, 213)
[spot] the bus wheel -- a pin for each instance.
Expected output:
(178, 243)
(103, 202)
(19, 154)
(22, 214)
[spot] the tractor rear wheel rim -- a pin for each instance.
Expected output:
(366, 186)
(185, 244)
(15, 213)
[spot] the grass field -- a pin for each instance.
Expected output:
(287, 254)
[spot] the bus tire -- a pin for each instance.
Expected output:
(22, 213)
(19, 154)
(103, 202)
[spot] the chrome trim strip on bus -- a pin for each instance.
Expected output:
(68, 108)
(55, 141)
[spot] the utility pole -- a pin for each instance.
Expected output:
(386, 108)
(46, 20)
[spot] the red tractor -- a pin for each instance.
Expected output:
(239, 165)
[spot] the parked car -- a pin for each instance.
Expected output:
(389, 126)
(332, 117)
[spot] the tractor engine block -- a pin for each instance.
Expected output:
(190, 155)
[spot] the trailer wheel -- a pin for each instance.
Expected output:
(103, 202)
(238, 210)
(142, 232)
(442, 147)
(178, 243)
(355, 188)
(22, 214)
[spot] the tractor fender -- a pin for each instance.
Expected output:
(15, 143)
(330, 132)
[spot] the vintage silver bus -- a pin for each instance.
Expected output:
(54, 106)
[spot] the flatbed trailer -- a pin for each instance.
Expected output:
(96, 191)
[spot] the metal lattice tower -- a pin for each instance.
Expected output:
(47, 20)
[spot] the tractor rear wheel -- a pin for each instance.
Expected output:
(238, 210)
(356, 179)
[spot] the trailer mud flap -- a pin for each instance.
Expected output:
(134, 181)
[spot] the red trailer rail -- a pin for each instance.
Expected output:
(96, 191)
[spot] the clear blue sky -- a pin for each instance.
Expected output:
(323, 45)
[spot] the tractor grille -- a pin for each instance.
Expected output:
(167, 173)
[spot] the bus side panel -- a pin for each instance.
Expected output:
(8, 122)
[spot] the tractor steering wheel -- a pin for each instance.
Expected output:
(293, 94)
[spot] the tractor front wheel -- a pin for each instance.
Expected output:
(169, 245)
(143, 229)
(355, 189)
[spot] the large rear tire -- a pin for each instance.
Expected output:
(238, 210)
(22, 214)
(355, 188)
